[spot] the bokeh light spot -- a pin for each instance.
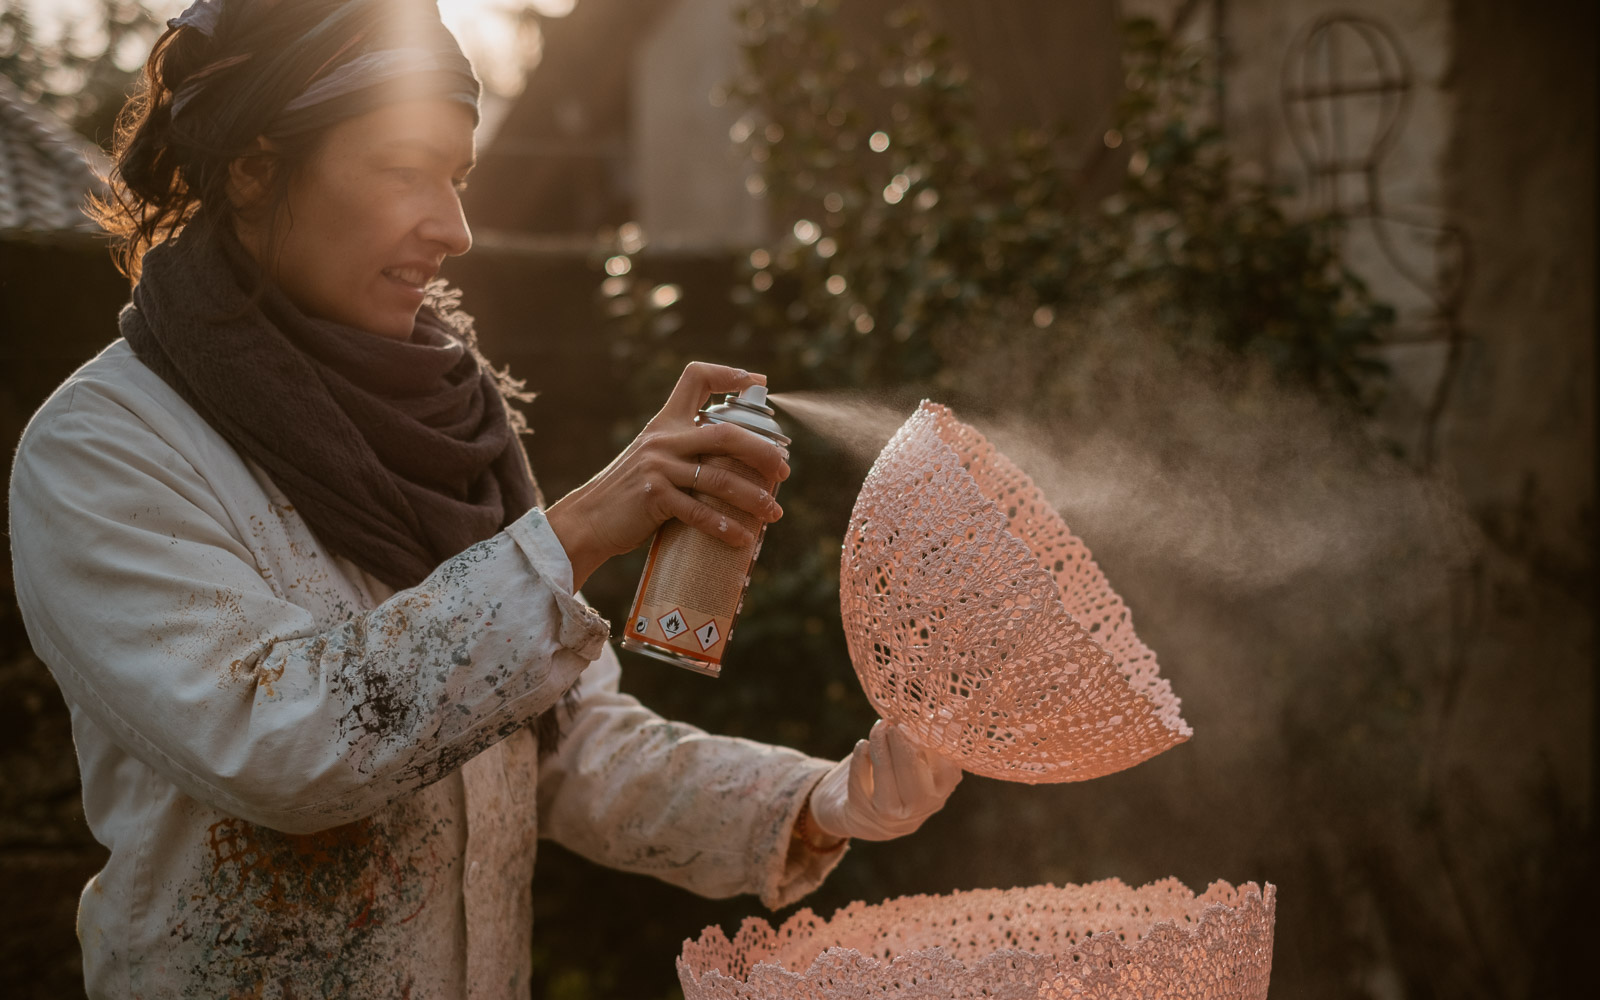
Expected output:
(630, 237)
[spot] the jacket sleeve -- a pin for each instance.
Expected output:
(156, 621)
(711, 814)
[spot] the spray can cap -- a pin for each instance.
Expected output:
(748, 409)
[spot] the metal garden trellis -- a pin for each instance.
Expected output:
(1339, 62)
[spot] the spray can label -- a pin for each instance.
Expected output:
(693, 584)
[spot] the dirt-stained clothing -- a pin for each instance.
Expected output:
(310, 785)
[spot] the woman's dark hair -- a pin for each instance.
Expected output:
(202, 103)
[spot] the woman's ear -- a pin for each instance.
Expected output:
(250, 176)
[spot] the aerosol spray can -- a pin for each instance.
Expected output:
(693, 585)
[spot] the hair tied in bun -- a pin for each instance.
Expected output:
(201, 15)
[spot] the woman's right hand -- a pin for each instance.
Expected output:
(617, 510)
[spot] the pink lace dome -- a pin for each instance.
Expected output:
(1102, 940)
(981, 624)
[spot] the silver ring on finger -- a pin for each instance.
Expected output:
(696, 479)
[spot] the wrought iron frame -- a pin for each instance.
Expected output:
(1324, 148)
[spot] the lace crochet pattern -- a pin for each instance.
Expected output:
(978, 622)
(1103, 940)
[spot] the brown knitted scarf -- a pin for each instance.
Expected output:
(398, 454)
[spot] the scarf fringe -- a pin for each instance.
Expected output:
(444, 300)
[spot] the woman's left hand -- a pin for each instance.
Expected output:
(884, 789)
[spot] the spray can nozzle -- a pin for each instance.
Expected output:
(749, 409)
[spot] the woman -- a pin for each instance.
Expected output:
(329, 674)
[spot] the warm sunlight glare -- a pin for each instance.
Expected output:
(500, 50)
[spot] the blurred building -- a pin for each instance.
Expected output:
(46, 171)
(561, 159)
(52, 268)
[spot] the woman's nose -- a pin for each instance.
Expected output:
(447, 226)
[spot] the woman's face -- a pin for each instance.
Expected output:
(373, 215)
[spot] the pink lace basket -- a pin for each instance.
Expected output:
(981, 624)
(1102, 940)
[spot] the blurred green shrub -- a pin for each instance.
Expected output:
(1218, 255)
(909, 237)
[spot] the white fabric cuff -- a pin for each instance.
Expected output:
(793, 870)
(583, 630)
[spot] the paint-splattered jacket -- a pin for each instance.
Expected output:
(311, 786)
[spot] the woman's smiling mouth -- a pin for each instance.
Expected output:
(411, 276)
